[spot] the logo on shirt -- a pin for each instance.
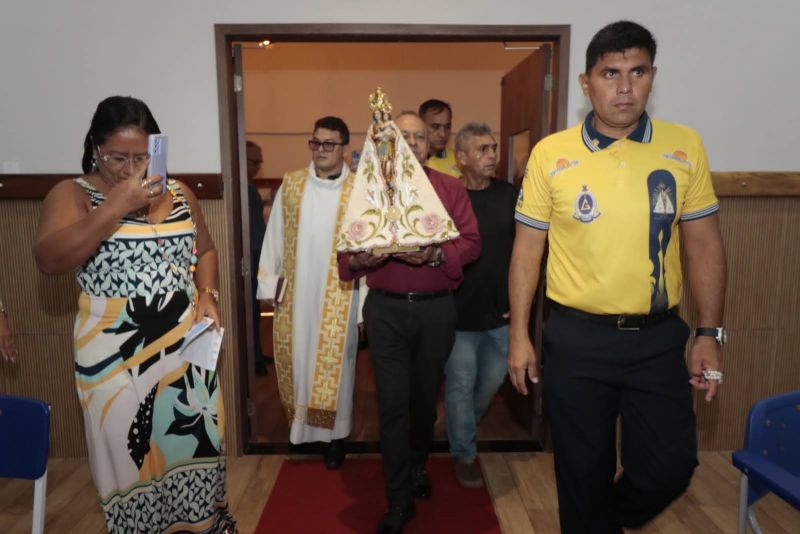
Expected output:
(562, 165)
(680, 156)
(661, 202)
(586, 206)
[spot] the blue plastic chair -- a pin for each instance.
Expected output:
(770, 460)
(24, 440)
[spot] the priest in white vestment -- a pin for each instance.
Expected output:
(315, 325)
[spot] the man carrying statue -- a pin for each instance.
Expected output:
(410, 234)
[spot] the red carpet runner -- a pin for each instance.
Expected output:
(308, 499)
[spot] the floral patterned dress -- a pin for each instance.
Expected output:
(154, 423)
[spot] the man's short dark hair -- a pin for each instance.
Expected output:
(434, 106)
(336, 124)
(618, 37)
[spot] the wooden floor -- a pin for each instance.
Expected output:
(521, 485)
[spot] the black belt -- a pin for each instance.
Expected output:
(622, 322)
(412, 296)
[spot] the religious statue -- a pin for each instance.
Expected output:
(393, 207)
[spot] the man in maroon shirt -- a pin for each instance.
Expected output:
(410, 317)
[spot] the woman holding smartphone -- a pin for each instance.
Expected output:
(147, 268)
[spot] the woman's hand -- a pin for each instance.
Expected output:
(7, 348)
(137, 192)
(207, 307)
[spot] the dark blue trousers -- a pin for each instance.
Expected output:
(594, 374)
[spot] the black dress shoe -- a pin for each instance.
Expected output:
(421, 482)
(334, 454)
(395, 517)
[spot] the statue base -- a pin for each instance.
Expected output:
(394, 249)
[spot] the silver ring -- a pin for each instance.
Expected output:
(710, 374)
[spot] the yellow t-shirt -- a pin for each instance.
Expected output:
(446, 163)
(611, 209)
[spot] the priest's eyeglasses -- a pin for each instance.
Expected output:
(327, 146)
(115, 162)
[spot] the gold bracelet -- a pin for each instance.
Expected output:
(213, 292)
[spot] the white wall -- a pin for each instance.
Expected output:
(727, 68)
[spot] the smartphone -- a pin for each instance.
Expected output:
(157, 148)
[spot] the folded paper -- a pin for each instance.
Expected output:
(201, 344)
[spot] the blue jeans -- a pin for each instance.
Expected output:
(475, 370)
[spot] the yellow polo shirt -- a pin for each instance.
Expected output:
(445, 162)
(611, 209)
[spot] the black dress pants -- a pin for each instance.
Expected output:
(595, 373)
(409, 343)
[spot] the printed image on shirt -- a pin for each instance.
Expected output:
(663, 195)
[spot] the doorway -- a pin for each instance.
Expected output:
(348, 49)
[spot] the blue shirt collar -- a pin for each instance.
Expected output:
(595, 141)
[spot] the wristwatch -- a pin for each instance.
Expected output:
(719, 333)
(438, 259)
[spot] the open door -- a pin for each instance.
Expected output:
(526, 110)
(263, 427)
(527, 115)
(245, 262)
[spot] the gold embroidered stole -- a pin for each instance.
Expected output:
(321, 410)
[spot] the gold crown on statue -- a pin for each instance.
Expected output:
(378, 101)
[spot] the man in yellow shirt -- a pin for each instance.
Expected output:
(616, 197)
(438, 117)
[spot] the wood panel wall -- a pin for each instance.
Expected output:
(761, 234)
(42, 309)
(762, 357)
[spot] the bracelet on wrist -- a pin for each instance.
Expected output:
(211, 291)
(438, 257)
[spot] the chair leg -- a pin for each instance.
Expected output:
(743, 508)
(751, 516)
(39, 496)
(747, 514)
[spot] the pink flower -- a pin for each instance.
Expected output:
(357, 230)
(432, 223)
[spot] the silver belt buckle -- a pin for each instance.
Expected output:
(621, 324)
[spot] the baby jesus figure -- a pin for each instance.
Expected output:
(382, 133)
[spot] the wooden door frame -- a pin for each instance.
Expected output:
(226, 34)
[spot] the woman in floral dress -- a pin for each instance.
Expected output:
(147, 269)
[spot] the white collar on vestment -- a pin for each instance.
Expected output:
(332, 184)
